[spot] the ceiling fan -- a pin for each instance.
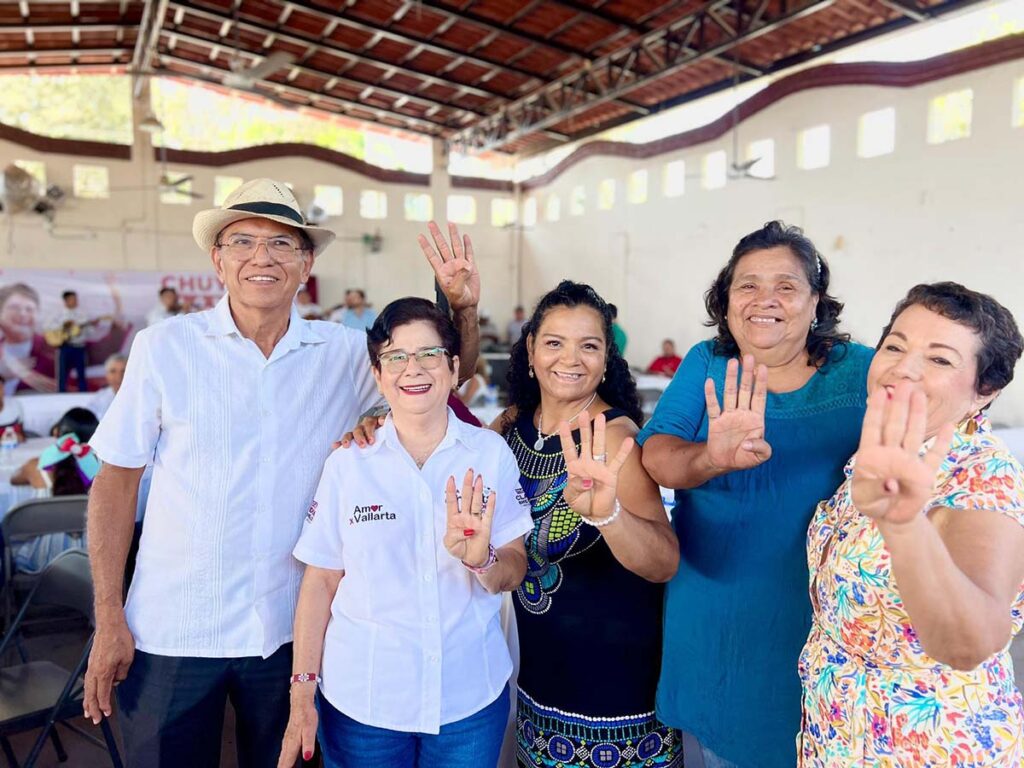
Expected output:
(166, 183)
(244, 77)
(741, 169)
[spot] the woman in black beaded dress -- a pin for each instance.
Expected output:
(589, 610)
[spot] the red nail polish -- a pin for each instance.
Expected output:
(587, 483)
(468, 531)
(307, 755)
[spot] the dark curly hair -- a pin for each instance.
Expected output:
(618, 388)
(824, 335)
(1001, 342)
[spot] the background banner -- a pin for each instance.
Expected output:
(29, 298)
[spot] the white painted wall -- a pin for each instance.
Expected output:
(135, 231)
(925, 213)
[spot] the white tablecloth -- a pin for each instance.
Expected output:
(14, 494)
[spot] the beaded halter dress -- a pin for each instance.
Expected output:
(589, 634)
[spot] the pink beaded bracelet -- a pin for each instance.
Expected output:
(492, 558)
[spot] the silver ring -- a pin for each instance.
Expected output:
(601, 457)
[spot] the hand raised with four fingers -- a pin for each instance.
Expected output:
(892, 480)
(593, 477)
(736, 428)
(454, 267)
(468, 533)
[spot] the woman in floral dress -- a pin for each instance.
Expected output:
(917, 561)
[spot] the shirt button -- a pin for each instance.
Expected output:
(427, 578)
(434, 659)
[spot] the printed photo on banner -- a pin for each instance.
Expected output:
(111, 308)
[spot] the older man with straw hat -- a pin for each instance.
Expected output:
(236, 409)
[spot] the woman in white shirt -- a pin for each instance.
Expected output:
(399, 654)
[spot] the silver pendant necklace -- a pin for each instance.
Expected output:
(538, 444)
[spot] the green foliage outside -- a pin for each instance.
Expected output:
(91, 107)
(203, 119)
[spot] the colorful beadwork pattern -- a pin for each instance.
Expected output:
(558, 532)
(550, 738)
(871, 696)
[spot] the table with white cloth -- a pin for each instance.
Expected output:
(15, 494)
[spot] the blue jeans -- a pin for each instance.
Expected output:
(473, 742)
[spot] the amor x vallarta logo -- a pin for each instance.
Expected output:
(369, 514)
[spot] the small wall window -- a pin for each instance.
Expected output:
(606, 194)
(503, 212)
(876, 133)
(462, 209)
(530, 212)
(578, 201)
(553, 208)
(714, 170)
(373, 204)
(813, 147)
(949, 116)
(763, 151)
(419, 207)
(178, 190)
(224, 186)
(34, 168)
(329, 198)
(636, 187)
(91, 181)
(673, 180)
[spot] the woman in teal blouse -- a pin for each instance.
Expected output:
(752, 454)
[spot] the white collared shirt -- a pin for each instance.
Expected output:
(237, 442)
(414, 641)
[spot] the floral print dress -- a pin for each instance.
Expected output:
(871, 696)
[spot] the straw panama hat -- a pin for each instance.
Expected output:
(262, 199)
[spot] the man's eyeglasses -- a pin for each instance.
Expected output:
(282, 249)
(428, 359)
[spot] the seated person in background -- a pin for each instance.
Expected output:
(11, 413)
(515, 325)
(168, 306)
(473, 391)
(356, 313)
(488, 331)
(114, 368)
(66, 468)
(307, 308)
(80, 422)
(668, 362)
(617, 333)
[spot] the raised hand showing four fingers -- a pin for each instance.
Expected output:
(892, 480)
(468, 532)
(454, 266)
(736, 427)
(593, 479)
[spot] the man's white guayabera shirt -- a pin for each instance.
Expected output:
(237, 442)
